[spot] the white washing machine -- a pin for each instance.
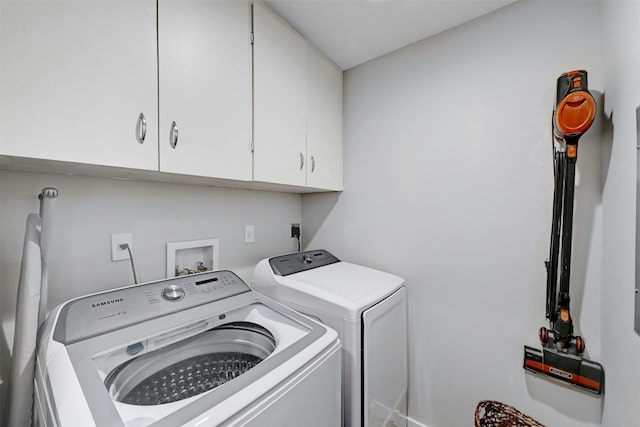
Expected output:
(368, 308)
(200, 350)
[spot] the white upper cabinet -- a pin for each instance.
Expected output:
(172, 86)
(324, 123)
(205, 88)
(297, 108)
(78, 82)
(279, 64)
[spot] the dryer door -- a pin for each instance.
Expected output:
(385, 375)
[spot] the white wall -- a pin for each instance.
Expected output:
(449, 182)
(620, 344)
(89, 210)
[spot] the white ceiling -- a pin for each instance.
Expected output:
(351, 32)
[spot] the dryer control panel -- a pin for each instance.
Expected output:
(97, 314)
(301, 261)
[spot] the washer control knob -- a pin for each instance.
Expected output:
(307, 259)
(173, 293)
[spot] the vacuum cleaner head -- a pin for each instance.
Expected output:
(565, 367)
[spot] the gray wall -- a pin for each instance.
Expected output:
(449, 183)
(620, 344)
(89, 210)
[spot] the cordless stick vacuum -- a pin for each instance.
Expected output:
(561, 355)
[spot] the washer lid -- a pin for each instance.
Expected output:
(342, 289)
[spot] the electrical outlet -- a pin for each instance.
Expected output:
(295, 230)
(118, 254)
(249, 233)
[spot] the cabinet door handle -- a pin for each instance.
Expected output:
(173, 136)
(141, 128)
(301, 161)
(313, 164)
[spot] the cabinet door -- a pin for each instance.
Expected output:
(324, 123)
(279, 63)
(205, 87)
(75, 77)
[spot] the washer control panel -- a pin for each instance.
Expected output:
(301, 261)
(96, 314)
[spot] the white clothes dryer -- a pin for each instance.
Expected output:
(199, 350)
(368, 309)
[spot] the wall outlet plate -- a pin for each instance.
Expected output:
(195, 256)
(295, 230)
(249, 233)
(118, 254)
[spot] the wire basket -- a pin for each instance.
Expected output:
(490, 413)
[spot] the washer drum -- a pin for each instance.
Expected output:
(191, 366)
